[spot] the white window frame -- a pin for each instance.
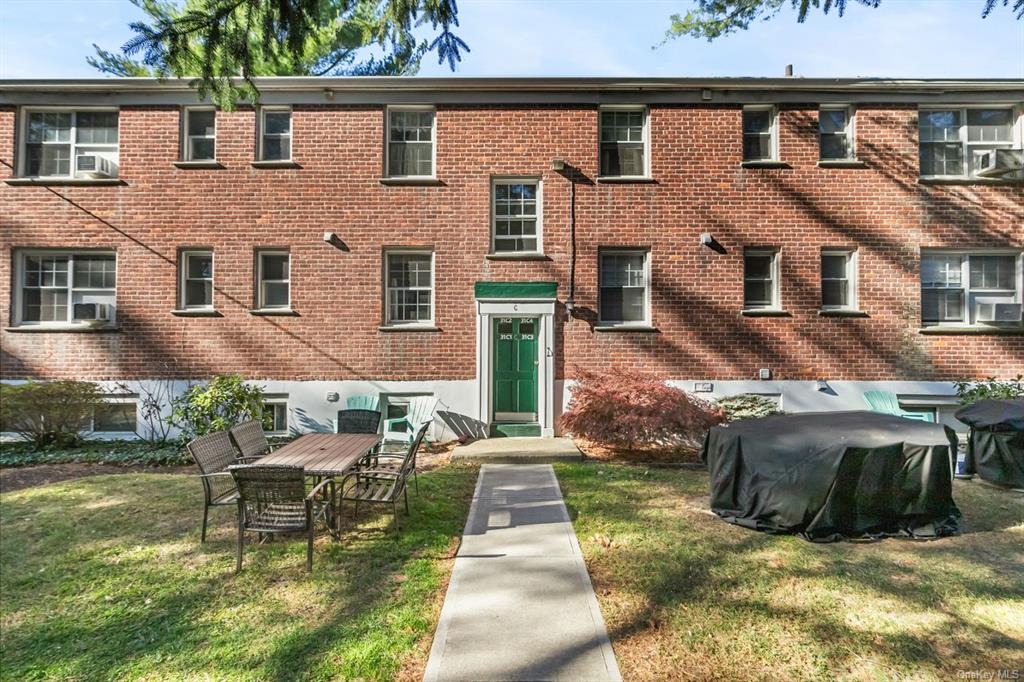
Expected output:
(261, 298)
(773, 131)
(626, 251)
(186, 139)
(402, 324)
(263, 134)
(278, 400)
(518, 180)
(1016, 132)
(965, 280)
(120, 400)
(433, 139)
(645, 110)
(183, 278)
(851, 278)
(17, 297)
(850, 130)
(776, 302)
(111, 149)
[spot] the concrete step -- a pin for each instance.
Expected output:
(519, 450)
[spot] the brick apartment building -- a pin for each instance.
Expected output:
(478, 239)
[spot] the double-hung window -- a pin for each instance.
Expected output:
(275, 134)
(516, 216)
(200, 143)
(65, 288)
(972, 288)
(761, 279)
(196, 273)
(624, 142)
(838, 279)
(273, 275)
(409, 288)
(759, 134)
(410, 142)
(960, 142)
(835, 134)
(70, 144)
(624, 279)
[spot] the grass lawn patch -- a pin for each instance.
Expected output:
(104, 578)
(687, 596)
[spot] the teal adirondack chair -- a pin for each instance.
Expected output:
(421, 409)
(885, 402)
(363, 402)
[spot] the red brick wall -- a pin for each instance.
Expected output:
(696, 293)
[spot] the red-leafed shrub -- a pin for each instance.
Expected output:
(626, 409)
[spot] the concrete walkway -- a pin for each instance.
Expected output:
(520, 605)
(519, 450)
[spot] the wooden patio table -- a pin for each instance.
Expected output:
(325, 455)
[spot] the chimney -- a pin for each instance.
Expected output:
(789, 70)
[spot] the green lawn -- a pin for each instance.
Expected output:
(104, 578)
(688, 596)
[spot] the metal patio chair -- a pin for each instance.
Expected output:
(272, 498)
(383, 485)
(250, 439)
(213, 454)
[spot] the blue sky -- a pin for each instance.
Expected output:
(903, 38)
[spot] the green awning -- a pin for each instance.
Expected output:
(516, 289)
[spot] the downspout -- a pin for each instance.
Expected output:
(570, 302)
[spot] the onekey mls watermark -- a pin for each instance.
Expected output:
(992, 674)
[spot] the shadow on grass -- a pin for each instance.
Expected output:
(104, 578)
(683, 590)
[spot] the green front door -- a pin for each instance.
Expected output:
(515, 369)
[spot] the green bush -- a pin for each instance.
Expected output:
(216, 406)
(49, 414)
(747, 406)
(990, 388)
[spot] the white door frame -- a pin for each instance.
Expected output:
(544, 311)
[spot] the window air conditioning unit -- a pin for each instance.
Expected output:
(994, 163)
(92, 312)
(1000, 312)
(93, 166)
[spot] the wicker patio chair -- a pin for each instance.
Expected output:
(213, 454)
(383, 485)
(250, 439)
(358, 421)
(273, 499)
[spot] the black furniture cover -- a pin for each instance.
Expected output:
(995, 450)
(834, 475)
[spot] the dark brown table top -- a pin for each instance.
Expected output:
(324, 454)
